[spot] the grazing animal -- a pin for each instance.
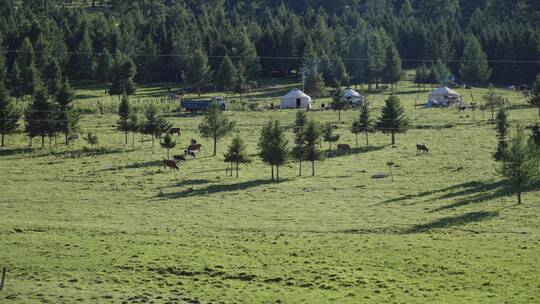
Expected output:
(175, 131)
(345, 148)
(190, 153)
(73, 137)
(422, 148)
(194, 147)
(171, 164)
(179, 158)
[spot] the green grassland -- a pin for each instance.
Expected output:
(113, 227)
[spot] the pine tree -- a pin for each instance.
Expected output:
(273, 146)
(29, 74)
(52, 76)
(237, 154)
(338, 102)
(122, 75)
(393, 119)
(312, 135)
(314, 82)
(215, 125)
(154, 125)
(535, 94)
(168, 143)
(197, 70)
(9, 115)
(134, 126)
(123, 113)
(226, 74)
(392, 69)
(363, 125)
(84, 58)
(520, 164)
(439, 73)
(40, 115)
(502, 127)
(15, 81)
(493, 100)
(298, 150)
(474, 64)
(103, 66)
(64, 97)
(328, 134)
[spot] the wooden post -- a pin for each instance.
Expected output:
(4, 270)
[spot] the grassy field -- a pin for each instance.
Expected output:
(114, 227)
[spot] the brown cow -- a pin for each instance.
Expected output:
(176, 131)
(171, 164)
(194, 147)
(422, 148)
(345, 148)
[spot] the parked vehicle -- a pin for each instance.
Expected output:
(202, 105)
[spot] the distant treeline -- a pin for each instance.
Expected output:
(160, 40)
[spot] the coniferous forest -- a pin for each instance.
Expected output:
(123, 42)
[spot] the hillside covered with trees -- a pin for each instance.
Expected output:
(230, 43)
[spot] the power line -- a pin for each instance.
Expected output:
(268, 57)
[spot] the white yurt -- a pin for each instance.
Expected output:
(296, 99)
(443, 96)
(353, 97)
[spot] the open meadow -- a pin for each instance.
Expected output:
(112, 226)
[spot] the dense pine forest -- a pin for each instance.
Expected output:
(123, 42)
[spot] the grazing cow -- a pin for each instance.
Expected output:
(345, 148)
(72, 137)
(190, 153)
(179, 158)
(175, 131)
(422, 148)
(194, 147)
(171, 164)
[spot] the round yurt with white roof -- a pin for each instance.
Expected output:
(296, 99)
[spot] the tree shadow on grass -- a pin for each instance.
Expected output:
(452, 221)
(212, 189)
(16, 151)
(468, 188)
(482, 193)
(359, 150)
(191, 182)
(154, 163)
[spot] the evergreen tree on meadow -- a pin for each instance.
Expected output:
(502, 130)
(124, 109)
(154, 125)
(122, 75)
(328, 134)
(236, 154)
(535, 94)
(312, 136)
(197, 70)
(338, 102)
(15, 81)
(273, 144)
(215, 125)
(393, 119)
(9, 115)
(299, 148)
(314, 82)
(40, 115)
(84, 58)
(392, 69)
(493, 100)
(520, 164)
(226, 74)
(67, 118)
(102, 68)
(439, 73)
(168, 143)
(421, 75)
(474, 63)
(363, 125)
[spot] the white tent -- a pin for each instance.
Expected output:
(443, 96)
(353, 96)
(296, 99)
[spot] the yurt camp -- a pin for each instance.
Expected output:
(443, 96)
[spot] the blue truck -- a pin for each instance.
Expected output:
(202, 105)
